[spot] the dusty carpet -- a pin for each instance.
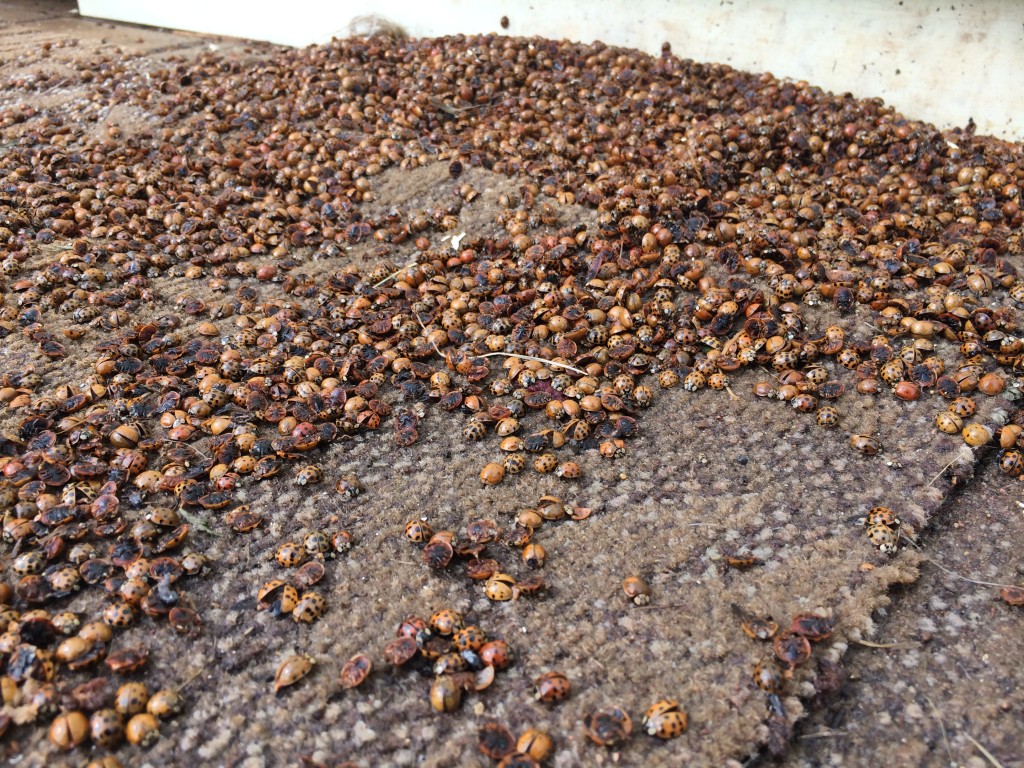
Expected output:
(711, 479)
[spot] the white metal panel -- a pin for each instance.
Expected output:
(943, 62)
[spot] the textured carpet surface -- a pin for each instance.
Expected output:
(709, 477)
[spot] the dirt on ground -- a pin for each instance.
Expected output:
(923, 667)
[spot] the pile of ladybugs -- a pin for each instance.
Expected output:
(441, 547)
(882, 528)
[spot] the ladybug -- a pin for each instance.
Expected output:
(96, 631)
(577, 431)
(119, 615)
(623, 384)
(767, 676)
(450, 664)
(355, 671)
(1012, 595)
(568, 470)
(277, 596)
(500, 587)
(69, 729)
(493, 473)
(531, 585)
(193, 563)
(976, 435)
(718, 381)
(742, 560)
(308, 575)
(469, 638)
(514, 463)
(244, 465)
(535, 744)
(614, 448)
(478, 533)
(534, 555)
(341, 542)
(139, 569)
(497, 654)
(865, 444)
(816, 375)
(495, 741)
(164, 703)
(637, 590)
(309, 475)
(963, 407)
(545, 463)
(881, 516)
(131, 698)
(804, 403)
(291, 670)
(668, 379)
(665, 720)
(791, 649)
(607, 727)
(349, 486)
(815, 628)
(29, 563)
(430, 645)
(827, 416)
(513, 444)
(290, 554)
(948, 422)
(316, 543)
(67, 623)
(893, 371)
(883, 537)
(447, 622)
(694, 381)
(643, 396)
(164, 516)
(400, 650)
(142, 730)
(311, 606)
(760, 629)
(551, 687)
(418, 531)
(410, 627)
(445, 694)
(105, 728)
(507, 426)
(1011, 462)
(64, 580)
(474, 430)
(439, 552)
(133, 591)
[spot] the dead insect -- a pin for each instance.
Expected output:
(291, 670)
(355, 671)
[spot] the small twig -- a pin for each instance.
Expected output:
(823, 734)
(189, 681)
(897, 646)
(427, 335)
(538, 359)
(394, 274)
(942, 727)
(984, 751)
(942, 472)
(964, 578)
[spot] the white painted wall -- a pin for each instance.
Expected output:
(944, 61)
